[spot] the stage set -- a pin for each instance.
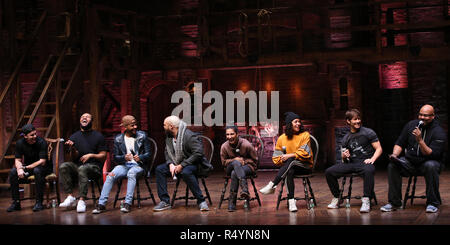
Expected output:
(266, 214)
(317, 58)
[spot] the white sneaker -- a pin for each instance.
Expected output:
(69, 202)
(334, 203)
(365, 206)
(268, 189)
(292, 206)
(81, 207)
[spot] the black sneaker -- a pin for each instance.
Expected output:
(38, 207)
(126, 208)
(15, 206)
(100, 208)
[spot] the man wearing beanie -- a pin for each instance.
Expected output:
(293, 153)
(89, 150)
(33, 150)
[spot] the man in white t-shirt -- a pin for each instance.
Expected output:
(131, 152)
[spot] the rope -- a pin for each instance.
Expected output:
(243, 33)
(264, 24)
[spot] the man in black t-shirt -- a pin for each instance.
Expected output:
(33, 149)
(360, 149)
(423, 143)
(89, 153)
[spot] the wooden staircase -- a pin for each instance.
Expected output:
(52, 95)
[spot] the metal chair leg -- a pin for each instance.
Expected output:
(279, 194)
(256, 191)
(306, 193)
(405, 200)
(94, 198)
(119, 185)
(349, 197)
(206, 191)
(186, 196)
(175, 192)
(138, 193)
(413, 190)
(311, 191)
(150, 190)
(223, 192)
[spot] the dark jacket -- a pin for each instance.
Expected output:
(434, 137)
(141, 146)
(192, 151)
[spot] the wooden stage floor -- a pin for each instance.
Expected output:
(264, 215)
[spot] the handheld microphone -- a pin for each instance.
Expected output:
(284, 149)
(420, 124)
(237, 151)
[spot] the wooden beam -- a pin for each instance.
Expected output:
(91, 27)
(363, 55)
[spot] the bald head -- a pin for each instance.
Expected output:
(171, 125)
(126, 120)
(173, 121)
(426, 114)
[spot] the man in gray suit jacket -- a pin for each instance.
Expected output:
(184, 158)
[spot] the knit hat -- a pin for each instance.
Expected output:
(290, 116)
(27, 128)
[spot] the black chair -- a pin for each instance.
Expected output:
(96, 182)
(51, 180)
(208, 151)
(146, 175)
(349, 193)
(309, 194)
(93, 183)
(259, 147)
(411, 195)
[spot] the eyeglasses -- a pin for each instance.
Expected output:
(425, 115)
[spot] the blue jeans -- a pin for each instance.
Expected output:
(129, 170)
(188, 174)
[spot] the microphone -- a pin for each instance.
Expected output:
(420, 124)
(237, 151)
(284, 149)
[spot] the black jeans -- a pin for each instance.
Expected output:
(289, 176)
(429, 169)
(336, 171)
(39, 173)
(188, 174)
(237, 172)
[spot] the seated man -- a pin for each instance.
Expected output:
(33, 149)
(89, 153)
(239, 158)
(424, 144)
(360, 149)
(184, 158)
(131, 152)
